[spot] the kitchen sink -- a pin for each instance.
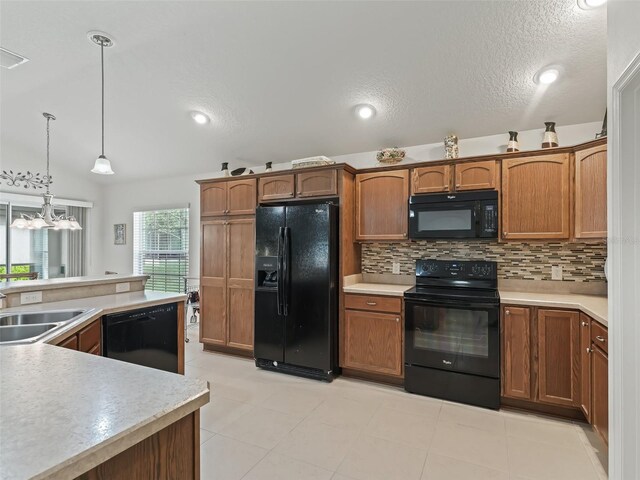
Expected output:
(38, 317)
(16, 333)
(29, 327)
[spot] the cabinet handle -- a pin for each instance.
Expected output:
(372, 303)
(507, 312)
(397, 319)
(585, 324)
(599, 338)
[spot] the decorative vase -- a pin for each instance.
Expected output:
(225, 169)
(550, 139)
(513, 145)
(451, 147)
(268, 167)
(390, 156)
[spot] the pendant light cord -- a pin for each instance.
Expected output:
(48, 176)
(102, 69)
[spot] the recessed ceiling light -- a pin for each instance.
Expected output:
(200, 117)
(547, 76)
(589, 4)
(10, 59)
(365, 111)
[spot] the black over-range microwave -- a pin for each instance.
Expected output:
(454, 215)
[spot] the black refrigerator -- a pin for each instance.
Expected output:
(296, 310)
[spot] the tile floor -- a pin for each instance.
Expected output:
(261, 425)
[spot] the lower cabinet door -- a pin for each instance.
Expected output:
(71, 343)
(559, 357)
(600, 392)
(213, 312)
(241, 317)
(585, 366)
(516, 352)
(373, 342)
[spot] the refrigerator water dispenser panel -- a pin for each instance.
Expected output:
(267, 272)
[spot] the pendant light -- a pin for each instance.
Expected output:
(102, 166)
(47, 217)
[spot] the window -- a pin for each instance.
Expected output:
(44, 251)
(161, 248)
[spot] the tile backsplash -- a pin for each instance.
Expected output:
(581, 262)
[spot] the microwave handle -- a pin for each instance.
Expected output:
(476, 219)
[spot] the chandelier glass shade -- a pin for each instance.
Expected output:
(47, 217)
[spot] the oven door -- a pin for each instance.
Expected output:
(453, 335)
(443, 220)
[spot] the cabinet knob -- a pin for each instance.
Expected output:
(600, 339)
(507, 312)
(504, 234)
(588, 350)
(404, 234)
(372, 303)
(397, 319)
(585, 324)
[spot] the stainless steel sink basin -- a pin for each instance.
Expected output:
(29, 327)
(32, 318)
(24, 332)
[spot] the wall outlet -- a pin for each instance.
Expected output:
(123, 287)
(395, 268)
(556, 272)
(30, 297)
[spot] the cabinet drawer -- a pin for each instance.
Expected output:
(374, 303)
(89, 337)
(599, 336)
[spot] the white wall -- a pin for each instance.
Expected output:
(126, 198)
(623, 46)
(66, 184)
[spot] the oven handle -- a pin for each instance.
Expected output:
(453, 303)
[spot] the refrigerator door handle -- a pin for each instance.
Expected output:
(279, 273)
(286, 260)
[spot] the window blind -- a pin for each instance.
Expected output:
(161, 248)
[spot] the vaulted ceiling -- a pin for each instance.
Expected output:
(280, 79)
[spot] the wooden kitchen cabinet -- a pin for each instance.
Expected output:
(559, 357)
(382, 205)
(476, 175)
(373, 342)
(276, 187)
(591, 192)
(88, 340)
(516, 352)
(600, 392)
(213, 199)
(226, 282)
(535, 197)
(233, 197)
(318, 183)
(585, 366)
(432, 179)
(213, 282)
(241, 245)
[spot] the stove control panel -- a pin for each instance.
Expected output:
(457, 269)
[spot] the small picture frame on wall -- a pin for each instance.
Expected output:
(120, 234)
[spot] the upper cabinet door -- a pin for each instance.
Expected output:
(213, 199)
(382, 205)
(277, 187)
(317, 184)
(476, 175)
(431, 179)
(241, 197)
(591, 193)
(535, 197)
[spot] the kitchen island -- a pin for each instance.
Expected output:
(67, 414)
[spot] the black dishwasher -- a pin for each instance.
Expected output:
(148, 337)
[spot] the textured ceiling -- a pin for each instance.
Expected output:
(280, 79)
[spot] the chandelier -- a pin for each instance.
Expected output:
(47, 217)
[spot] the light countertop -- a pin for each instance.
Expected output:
(67, 282)
(595, 306)
(377, 289)
(96, 307)
(64, 412)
